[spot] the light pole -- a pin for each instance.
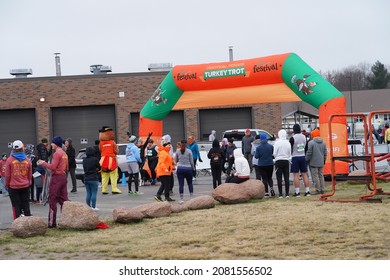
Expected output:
(350, 102)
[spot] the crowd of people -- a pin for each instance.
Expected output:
(26, 169)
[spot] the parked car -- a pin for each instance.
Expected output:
(121, 157)
(238, 134)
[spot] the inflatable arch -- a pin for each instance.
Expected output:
(277, 78)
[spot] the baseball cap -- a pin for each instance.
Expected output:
(17, 145)
(247, 130)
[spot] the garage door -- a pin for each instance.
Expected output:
(223, 119)
(82, 124)
(17, 124)
(173, 125)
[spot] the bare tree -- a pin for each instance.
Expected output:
(351, 77)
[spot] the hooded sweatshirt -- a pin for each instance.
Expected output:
(91, 165)
(316, 152)
(165, 164)
(264, 153)
(282, 147)
(18, 171)
(241, 164)
(216, 154)
(133, 153)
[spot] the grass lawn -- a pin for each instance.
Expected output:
(273, 229)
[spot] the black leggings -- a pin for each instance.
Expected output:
(266, 176)
(282, 168)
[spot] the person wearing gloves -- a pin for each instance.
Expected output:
(242, 170)
(133, 160)
(282, 155)
(18, 176)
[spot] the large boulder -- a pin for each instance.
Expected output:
(178, 208)
(200, 202)
(77, 215)
(155, 210)
(255, 188)
(28, 226)
(231, 193)
(127, 215)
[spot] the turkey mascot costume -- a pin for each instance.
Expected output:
(108, 161)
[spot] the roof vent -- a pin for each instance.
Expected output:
(154, 67)
(21, 73)
(100, 69)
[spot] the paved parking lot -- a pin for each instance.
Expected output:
(106, 203)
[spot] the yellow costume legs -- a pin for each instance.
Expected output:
(114, 182)
(105, 178)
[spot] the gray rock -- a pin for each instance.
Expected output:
(230, 193)
(28, 226)
(127, 215)
(77, 215)
(200, 202)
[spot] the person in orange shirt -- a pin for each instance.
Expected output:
(164, 170)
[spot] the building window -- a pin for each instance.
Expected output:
(359, 119)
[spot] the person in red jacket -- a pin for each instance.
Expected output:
(57, 189)
(18, 174)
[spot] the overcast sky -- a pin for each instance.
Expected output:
(128, 35)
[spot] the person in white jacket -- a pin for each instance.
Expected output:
(242, 170)
(282, 156)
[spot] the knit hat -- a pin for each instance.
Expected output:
(3, 155)
(44, 140)
(297, 128)
(17, 145)
(315, 133)
(57, 140)
(247, 130)
(263, 136)
(166, 138)
(132, 138)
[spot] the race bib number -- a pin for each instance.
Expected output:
(300, 147)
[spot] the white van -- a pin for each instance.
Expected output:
(238, 134)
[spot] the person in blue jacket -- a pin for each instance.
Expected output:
(264, 153)
(133, 160)
(193, 146)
